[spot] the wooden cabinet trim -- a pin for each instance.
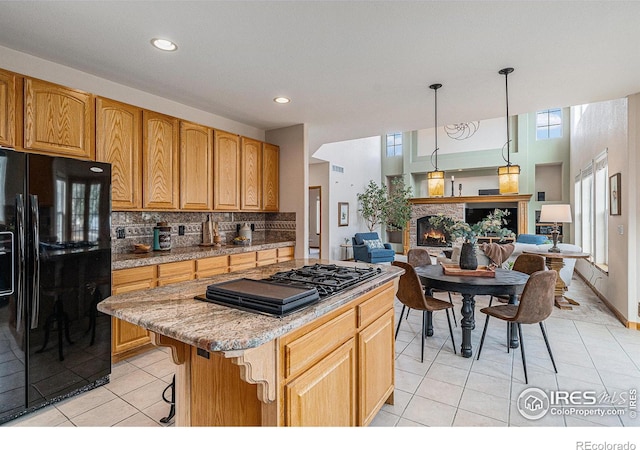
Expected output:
(160, 161)
(8, 108)
(251, 175)
(196, 167)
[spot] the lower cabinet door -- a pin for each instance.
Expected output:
(127, 336)
(325, 395)
(376, 371)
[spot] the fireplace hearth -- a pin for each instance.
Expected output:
(430, 236)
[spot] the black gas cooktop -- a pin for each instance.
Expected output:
(285, 292)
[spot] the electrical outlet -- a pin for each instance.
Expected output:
(120, 234)
(253, 227)
(180, 230)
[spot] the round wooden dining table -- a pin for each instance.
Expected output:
(505, 282)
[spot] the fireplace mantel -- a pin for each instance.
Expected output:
(475, 199)
(522, 200)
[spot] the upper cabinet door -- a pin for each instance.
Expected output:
(270, 177)
(226, 164)
(118, 141)
(196, 167)
(7, 108)
(160, 161)
(251, 192)
(58, 120)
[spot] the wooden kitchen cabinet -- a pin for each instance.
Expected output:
(196, 167)
(251, 176)
(325, 395)
(128, 339)
(58, 120)
(226, 166)
(160, 161)
(270, 177)
(265, 257)
(207, 267)
(286, 254)
(7, 109)
(241, 261)
(175, 272)
(118, 141)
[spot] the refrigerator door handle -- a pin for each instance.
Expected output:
(35, 298)
(21, 261)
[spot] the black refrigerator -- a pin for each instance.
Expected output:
(55, 266)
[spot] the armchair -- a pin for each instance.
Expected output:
(373, 250)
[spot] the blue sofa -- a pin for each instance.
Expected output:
(363, 252)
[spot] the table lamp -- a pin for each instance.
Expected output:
(556, 214)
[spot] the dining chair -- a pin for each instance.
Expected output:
(536, 304)
(525, 263)
(411, 295)
(420, 257)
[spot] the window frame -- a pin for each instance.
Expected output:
(397, 147)
(548, 125)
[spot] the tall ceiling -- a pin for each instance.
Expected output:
(351, 68)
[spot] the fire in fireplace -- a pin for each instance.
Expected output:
(429, 236)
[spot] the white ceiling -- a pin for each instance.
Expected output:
(352, 69)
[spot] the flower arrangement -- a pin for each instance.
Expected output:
(459, 229)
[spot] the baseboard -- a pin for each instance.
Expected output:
(623, 320)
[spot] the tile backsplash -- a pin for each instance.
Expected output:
(137, 227)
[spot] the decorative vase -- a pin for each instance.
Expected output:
(468, 258)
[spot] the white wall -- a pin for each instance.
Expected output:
(25, 64)
(319, 176)
(294, 178)
(595, 128)
(361, 160)
(631, 203)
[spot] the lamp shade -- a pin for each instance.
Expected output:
(555, 214)
(508, 179)
(435, 183)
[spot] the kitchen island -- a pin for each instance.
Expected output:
(329, 364)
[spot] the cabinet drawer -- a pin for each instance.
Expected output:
(311, 347)
(265, 257)
(212, 266)
(175, 279)
(285, 251)
(380, 302)
(137, 275)
(241, 261)
(170, 270)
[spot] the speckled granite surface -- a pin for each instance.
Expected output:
(172, 310)
(128, 260)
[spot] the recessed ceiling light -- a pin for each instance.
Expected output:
(281, 100)
(164, 44)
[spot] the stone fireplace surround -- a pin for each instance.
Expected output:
(455, 207)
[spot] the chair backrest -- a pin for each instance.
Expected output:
(418, 257)
(528, 264)
(536, 301)
(410, 290)
(359, 237)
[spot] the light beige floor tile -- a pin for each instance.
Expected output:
(46, 417)
(406, 381)
(122, 368)
(384, 419)
(130, 382)
(82, 403)
(448, 374)
(408, 423)
(468, 419)
(492, 368)
(413, 365)
(158, 411)
(621, 381)
(488, 384)
(428, 412)
(485, 404)
(161, 368)
(454, 360)
(105, 415)
(137, 420)
(400, 401)
(146, 395)
(147, 358)
(440, 391)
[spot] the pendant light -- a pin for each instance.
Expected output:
(435, 178)
(508, 175)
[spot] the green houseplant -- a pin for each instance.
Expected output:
(377, 206)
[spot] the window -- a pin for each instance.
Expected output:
(592, 210)
(549, 124)
(394, 144)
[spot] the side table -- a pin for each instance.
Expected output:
(555, 261)
(346, 248)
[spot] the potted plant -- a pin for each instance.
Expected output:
(392, 209)
(398, 211)
(373, 203)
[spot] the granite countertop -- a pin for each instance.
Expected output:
(129, 260)
(172, 311)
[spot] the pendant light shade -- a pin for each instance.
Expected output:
(435, 178)
(508, 175)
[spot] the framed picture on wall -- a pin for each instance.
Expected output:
(343, 214)
(615, 189)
